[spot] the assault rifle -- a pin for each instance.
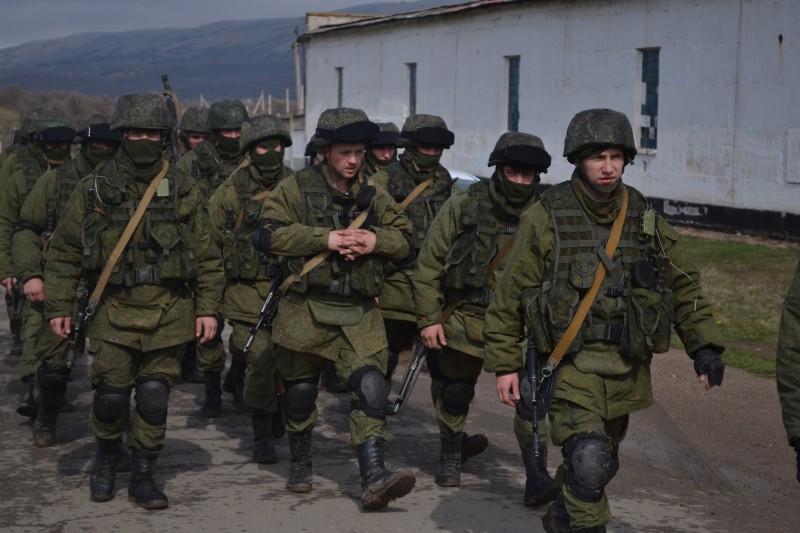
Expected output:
(173, 117)
(418, 355)
(532, 364)
(268, 310)
(78, 330)
(17, 303)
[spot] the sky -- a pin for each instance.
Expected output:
(29, 20)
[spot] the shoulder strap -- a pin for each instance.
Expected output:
(123, 241)
(416, 192)
(586, 303)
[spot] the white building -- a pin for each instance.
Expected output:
(712, 88)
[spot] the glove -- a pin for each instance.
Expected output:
(708, 361)
(365, 196)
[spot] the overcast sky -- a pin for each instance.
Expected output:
(27, 20)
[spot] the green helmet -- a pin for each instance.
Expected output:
(96, 127)
(226, 115)
(425, 129)
(520, 149)
(145, 111)
(40, 119)
(263, 127)
(388, 134)
(345, 125)
(52, 127)
(194, 119)
(595, 129)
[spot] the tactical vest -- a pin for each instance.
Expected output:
(478, 241)
(422, 210)
(32, 165)
(362, 277)
(242, 261)
(67, 177)
(627, 310)
(163, 254)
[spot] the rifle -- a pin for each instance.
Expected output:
(268, 310)
(170, 97)
(17, 303)
(77, 333)
(418, 356)
(532, 366)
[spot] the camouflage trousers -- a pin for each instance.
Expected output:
(298, 365)
(566, 419)
(32, 322)
(453, 365)
(260, 383)
(121, 367)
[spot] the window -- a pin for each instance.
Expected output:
(512, 63)
(339, 82)
(649, 121)
(411, 69)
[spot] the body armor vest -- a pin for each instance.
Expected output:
(362, 277)
(161, 251)
(628, 310)
(480, 237)
(422, 210)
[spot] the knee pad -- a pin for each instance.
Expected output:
(301, 397)
(370, 385)
(110, 403)
(392, 363)
(152, 399)
(457, 395)
(52, 379)
(589, 465)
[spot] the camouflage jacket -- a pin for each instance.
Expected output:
(787, 367)
(207, 167)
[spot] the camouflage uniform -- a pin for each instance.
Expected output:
(606, 372)
(193, 120)
(168, 274)
(234, 210)
(787, 368)
(330, 313)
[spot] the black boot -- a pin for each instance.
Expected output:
(234, 381)
(263, 448)
(540, 488)
(449, 474)
(556, 519)
(44, 427)
(330, 381)
(300, 470)
(124, 461)
(472, 445)
(212, 408)
(189, 372)
(379, 486)
(28, 407)
(103, 476)
(142, 489)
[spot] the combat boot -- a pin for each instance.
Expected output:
(472, 445)
(449, 474)
(234, 381)
(540, 488)
(263, 447)
(379, 486)
(189, 372)
(212, 408)
(300, 469)
(142, 489)
(556, 519)
(28, 407)
(44, 427)
(103, 476)
(124, 461)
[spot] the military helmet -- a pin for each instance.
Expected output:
(345, 125)
(425, 129)
(595, 129)
(520, 149)
(312, 147)
(388, 134)
(226, 115)
(263, 127)
(33, 121)
(146, 111)
(194, 119)
(51, 127)
(96, 127)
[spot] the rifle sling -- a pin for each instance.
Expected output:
(583, 309)
(123, 241)
(415, 192)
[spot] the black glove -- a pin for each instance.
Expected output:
(365, 196)
(708, 361)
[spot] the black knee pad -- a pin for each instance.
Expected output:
(152, 399)
(394, 357)
(110, 403)
(457, 395)
(301, 397)
(52, 379)
(589, 465)
(370, 385)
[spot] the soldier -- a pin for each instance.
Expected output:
(234, 211)
(193, 129)
(161, 291)
(49, 146)
(787, 367)
(330, 313)
(383, 151)
(37, 221)
(634, 280)
(458, 268)
(211, 163)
